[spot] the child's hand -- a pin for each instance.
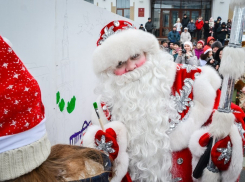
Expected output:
(173, 52)
(217, 67)
(212, 61)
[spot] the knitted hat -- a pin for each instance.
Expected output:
(188, 43)
(23, 140)
(206, 49)
(201, 42)
(118, 41)
(216, 44)
(185, 28)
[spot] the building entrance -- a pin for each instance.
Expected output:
(165, 13)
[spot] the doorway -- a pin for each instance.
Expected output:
(168, 17)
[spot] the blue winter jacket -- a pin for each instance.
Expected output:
(173, 36)
(191, 27)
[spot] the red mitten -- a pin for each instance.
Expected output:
(106, 141)
(203, 141)
(221, 153)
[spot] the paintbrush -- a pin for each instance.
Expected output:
(98, 115)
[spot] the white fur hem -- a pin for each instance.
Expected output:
(120, 164)
(204, 94)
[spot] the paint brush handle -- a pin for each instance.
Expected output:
(98, 115)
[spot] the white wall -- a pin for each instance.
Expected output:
(141, 4)
(105, 4)
(220, 8)
(55, 39)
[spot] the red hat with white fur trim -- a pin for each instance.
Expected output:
(206, 49)
(201, 42)
(118, 41)
(23, 140)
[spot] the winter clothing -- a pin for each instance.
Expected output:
(229, 28)
(199, 24)
(185, 22)
(206, 31)
(192, 60)
(214, 64)
(142, 28)
(216, 57)
(201, 42)
(178, 26)
(206, 49)
(149, 27)
(221, 32)
(216, 26)
(198, 53)
(216, 44)
(173, 36)
(164, 48)
(185, 36)
(191, 27)
(188, 43)
(208, 40)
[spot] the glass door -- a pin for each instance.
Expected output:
(165, 23)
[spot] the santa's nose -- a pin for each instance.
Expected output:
(130, 65)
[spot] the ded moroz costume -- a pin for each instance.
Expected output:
(156, 113)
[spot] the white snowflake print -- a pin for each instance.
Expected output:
(10, 50)
(16, 102)
(13, 123)
(5, 65)
(29, 109)
(5, 111)
(27, 124)
(10, 87)
(16, 75)
(26, 89)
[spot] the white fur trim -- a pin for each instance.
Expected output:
(88, 138)
(194, 145)
(239, 3)
(209, 49)
(120, 164)
(94, 117)
(221, 124)
(209, 176)
(120, 46)
(235, 167)
(8, 42)
(204, 92)
(232, 62)
(188, 43)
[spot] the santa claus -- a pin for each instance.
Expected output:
(151, 107)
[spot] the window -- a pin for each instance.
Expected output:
(90, 1)
(123, 8)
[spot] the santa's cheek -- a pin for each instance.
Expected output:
(140, 62)
(119, 71)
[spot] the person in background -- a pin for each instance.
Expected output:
(174, 51)
(206, 30)
(194, 45)
(185, 21)
(173, 36)
(149, 26)
(185, 36)
(222, 32)
(142, 27)
(207, 56)
(211, 26)
(178, 26)
(210, 41)
(188, 57)
(218, 56)
(191, 27)
(170, 46)
(215, 46)
(199, 25)
(199, 49)
(216, 26)
(164, 45)
(229, 23)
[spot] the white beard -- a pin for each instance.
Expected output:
(141, 100)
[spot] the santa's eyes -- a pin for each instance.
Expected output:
(120, 64)
(135, 56)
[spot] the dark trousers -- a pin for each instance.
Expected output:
(192, 35)
(222, 41)
(199, 34)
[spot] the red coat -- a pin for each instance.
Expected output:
(199, 24)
